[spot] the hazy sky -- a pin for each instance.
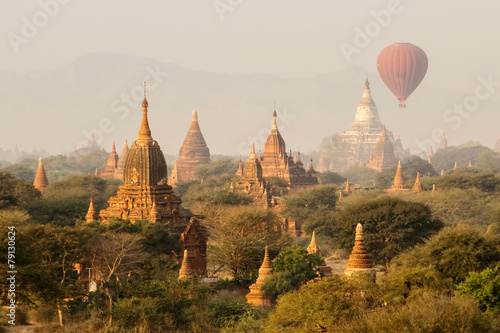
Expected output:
(288, 38)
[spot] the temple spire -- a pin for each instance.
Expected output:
(145, 138)
(41, 182)
(444, 143)
(252, 154)
(313, 247)
(417, 187)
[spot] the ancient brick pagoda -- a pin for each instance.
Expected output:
(111, 165)
(384, 157)
(121, 162)
(359, 261)
(40, 182)
(193, 153)
(256, 296)
(145, 194)
(276, 162)
(399, 181)
(253, 183)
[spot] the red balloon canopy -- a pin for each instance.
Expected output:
(402, 66)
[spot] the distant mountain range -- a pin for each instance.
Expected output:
(102, 93)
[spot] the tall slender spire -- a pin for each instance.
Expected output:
(145, 138)
(313, 247)
(417, 187)
(444, 143)
(41, 182)
(252, 154)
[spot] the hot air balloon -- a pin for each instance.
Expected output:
(402, 66)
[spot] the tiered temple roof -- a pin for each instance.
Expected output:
(41, 182)
(193, 153)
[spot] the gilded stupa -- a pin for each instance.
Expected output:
(193, 153)
(145, 195)
(256, 296)
(359, 260)
(41, 182)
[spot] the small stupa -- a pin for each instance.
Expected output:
(239, 172)
(41, 182)
(313, 248)
(359, 260)
(348, 187)
(185, 272)
(417, 187)
(321, 166)
(91, 213)
(399, 181)
(256, 296)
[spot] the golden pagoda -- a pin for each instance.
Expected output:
(111, 165)
(121, 162)
(399, 181)
(256, 296)
(384, 157)
(91, 213)
(145, 195)
(41, 182)
(193, 153)
(359, 260)
(417, 187)
(185, 272)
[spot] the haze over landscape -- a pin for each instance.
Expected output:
(231, 61)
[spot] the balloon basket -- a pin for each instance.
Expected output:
(402, 106)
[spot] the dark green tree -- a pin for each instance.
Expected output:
(484, 287)
(390, 225)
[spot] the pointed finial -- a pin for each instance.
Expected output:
(367, 84)
(275, 126)
(267, 262)
(145, 101)
(455, 166)
(470, 163)
(145, 137)
(418, 177)
(252, 154)
(194, 116)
